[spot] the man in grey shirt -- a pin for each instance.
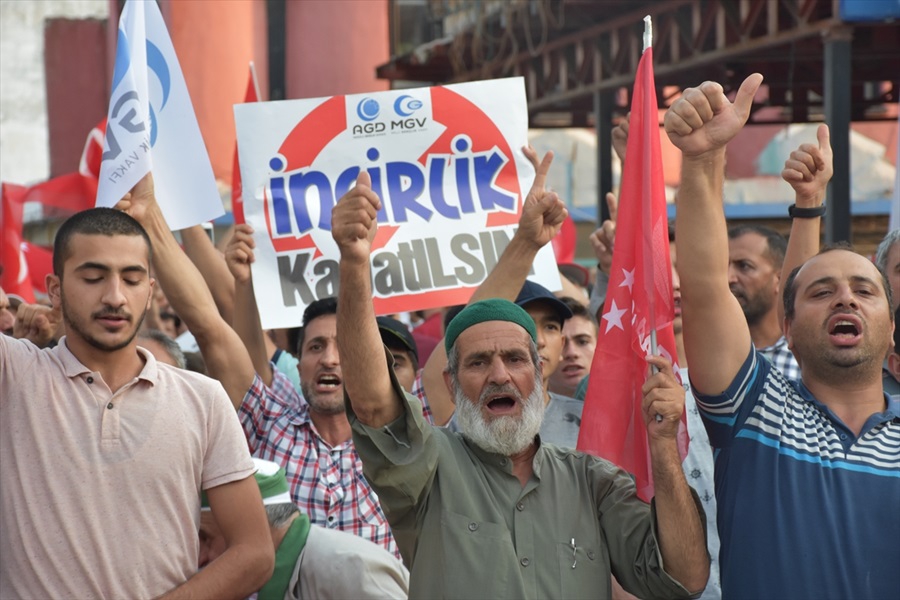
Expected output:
(493, 512)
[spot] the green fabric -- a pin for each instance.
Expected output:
(272, 485)
(468, 529)
(493, 309)
(269, 486)
(286, 559)
(581, 390)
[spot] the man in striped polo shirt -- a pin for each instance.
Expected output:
(807, 471)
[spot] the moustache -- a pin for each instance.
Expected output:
(493, 389)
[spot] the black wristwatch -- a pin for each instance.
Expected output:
(806, 213)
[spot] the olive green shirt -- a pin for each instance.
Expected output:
(467, 528)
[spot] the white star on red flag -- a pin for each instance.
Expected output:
(614, 317)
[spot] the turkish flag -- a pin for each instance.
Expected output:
(14, 277)
(237, 199)
(72, 192)
(92, 155)
(639, 300)
(40, 264)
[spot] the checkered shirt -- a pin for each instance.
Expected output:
(782, 358)
(326, 482)
(418, 390)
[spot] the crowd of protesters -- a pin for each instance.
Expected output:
(156, 442)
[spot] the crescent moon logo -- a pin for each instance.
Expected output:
(367, 109)
(406, 105)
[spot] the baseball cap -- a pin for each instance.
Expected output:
(532, 292)
(393, 331)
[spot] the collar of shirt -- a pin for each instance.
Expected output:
(504, 463)
(74, 368)
(779, 343)
(891, 412)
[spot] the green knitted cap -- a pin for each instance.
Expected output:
(492, 309)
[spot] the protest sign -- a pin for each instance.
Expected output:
(446, 162)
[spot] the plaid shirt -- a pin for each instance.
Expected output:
(418, 390)
(782, 358)
(326, 482)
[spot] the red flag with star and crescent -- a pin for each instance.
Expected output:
(639, 299)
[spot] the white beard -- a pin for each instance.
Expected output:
(506, 435)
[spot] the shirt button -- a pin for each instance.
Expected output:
(591, 554)
(109, 406)
(90, 379)
(520, 506)
(843, 436)
(473, 526)
(502, 462)
(525, 562)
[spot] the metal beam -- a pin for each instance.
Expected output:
(837, 114)
(604, 103)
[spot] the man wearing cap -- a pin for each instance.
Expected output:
(493, 512)
(537, 226)
(562, 414)
(310, 561)
(398, 339)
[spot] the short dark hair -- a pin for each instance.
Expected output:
(319, 308)
(450, 313)
(776, 244)
(94, 221)
(579, 309)
(790, 290)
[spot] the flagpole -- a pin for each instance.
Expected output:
(648, 42)
(255, 80)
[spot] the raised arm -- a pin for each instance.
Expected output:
(808, 169)
(239, 257)
(363, 363)
(542, 216)
(716, 335)
(211, 264)
(680, 529)
(222, 349)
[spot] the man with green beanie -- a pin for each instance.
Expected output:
(310, 561)
(490, 512)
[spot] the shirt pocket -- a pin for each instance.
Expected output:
(582, 571)
(478, 554)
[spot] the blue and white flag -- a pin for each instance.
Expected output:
(152, 126)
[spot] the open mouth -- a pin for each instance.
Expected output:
(844, 330)
(572, 370)
(328, 382)
(501, 404)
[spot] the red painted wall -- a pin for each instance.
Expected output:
(214, 42)
(333, 47)
(77, 87)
